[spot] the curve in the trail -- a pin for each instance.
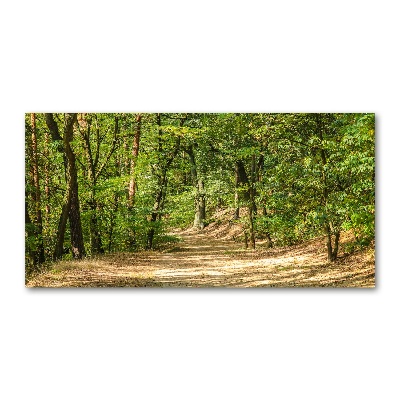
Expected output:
(204, 261)
(201, 260)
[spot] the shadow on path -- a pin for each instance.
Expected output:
(201, 260)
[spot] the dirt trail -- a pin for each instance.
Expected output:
(202, 260)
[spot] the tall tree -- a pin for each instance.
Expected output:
(129, 178)
(167, 148)
(77, 244)
(198, 184)
(70, 209)
(135, 153)
(37, 194)
(92, 143)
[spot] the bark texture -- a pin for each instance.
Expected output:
(77, 244)
(39, 258)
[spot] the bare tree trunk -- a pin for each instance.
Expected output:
(332, 254)
(328, 242)
(112, 222)
(267, 234)
(29, 233)
(237, 208)
(47, 176)
(246, 189)
(162, 181)
(135, 153)
(252, 205)
(336, 245)
(96, 244)
(78, 249)
(199, 197)
(38, 206)
(62, 223)
(62, 226)
(156, 209)
(200, 217)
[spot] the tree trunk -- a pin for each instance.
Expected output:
(38, 206)
(328, 241)
(242, 181)
(164, 164)
(237, 208)
(246, 192)
(332, 254)
(132, 188)
(199, 197)
(96, 244)
(62, 223)
(135, 153)
(29, 234)
(252, 205)
(78, 249)
(156, 210)
(266, 232)
(112, 222)
(62, 226)
(336, 246)
(200, 204)
(47, 177)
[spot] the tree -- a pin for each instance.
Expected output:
(120, 182)
(135, 153)
(95, 168)
(167, 150)
(70, 210)
(39, 256)
(198, 185)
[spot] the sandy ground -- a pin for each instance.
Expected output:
(204, 260)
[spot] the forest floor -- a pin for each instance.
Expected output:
(211, 258)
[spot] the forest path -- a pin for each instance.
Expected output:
(202, 260)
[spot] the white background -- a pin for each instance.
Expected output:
(199, 56)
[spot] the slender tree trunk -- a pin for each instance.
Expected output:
(328, 242)
(267, 233)
(237, 207)
(47, 176)
(157, 203)
(260, 167)
(164, 163)
(135, 153)
(252, 205)
(29, 234)
(200, 217)
(332, 253)
(62, 222)
(96, 244)
(132, 188)
(199, 197)
(112, 222)
(156, 209)
(70, 209)
(38, 206)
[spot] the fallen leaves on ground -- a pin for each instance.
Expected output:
(203, 260)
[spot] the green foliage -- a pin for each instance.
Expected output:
(306, 172)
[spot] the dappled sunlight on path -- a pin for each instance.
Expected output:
(201, 260)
